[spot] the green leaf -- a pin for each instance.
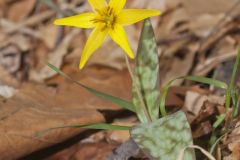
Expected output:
(232, 81)
(104, 126)
(200, 79)
(235, 101)
(122, 103)
(146, 79)
(97, 126)
(206, 80)
(165, 138)
(219, 120)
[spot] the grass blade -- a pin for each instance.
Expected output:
(232, 81)
(103, 126)
(96, 126)
(120, 102)
(206, 80)
(200, 79)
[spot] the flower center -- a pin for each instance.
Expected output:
(107, 17)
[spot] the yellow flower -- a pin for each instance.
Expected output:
(106, 19)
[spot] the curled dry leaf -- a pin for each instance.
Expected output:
(193, 104)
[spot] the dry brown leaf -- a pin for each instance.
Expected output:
(12, 50)
(181, 64)
(55, 58)
(233, 143)
(37, 59)
(36, 108)
(212, 7)
(25, 30)
(10, 58)
(85, 151)
(31, 21)
(204, 128)
(169, 22)
(2, 8)
(202, 25)
(21, 41)
(193, 104)
(49, 35)
(235, 148)
(207, 111)
(120, 137)
(6, 91)
(20, 9)
(221, 32)
(7, 79)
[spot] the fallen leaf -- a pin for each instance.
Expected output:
(36, 108)
(55, 58)
(20, 9)
(193, 104)
(6, 91)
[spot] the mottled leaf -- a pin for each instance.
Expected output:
(146, 78)
(165, 138)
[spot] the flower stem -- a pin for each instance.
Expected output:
(137, 90)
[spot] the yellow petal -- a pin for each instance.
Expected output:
(97, 4)
(119, 36)
(83, 20)
(130, 16)
(94, 41)
(117, 5)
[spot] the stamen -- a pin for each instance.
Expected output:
(99, 12)
(106, 17)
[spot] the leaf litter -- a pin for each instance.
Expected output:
(193, 38)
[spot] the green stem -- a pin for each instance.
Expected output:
(138, 91)
(232, 81)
